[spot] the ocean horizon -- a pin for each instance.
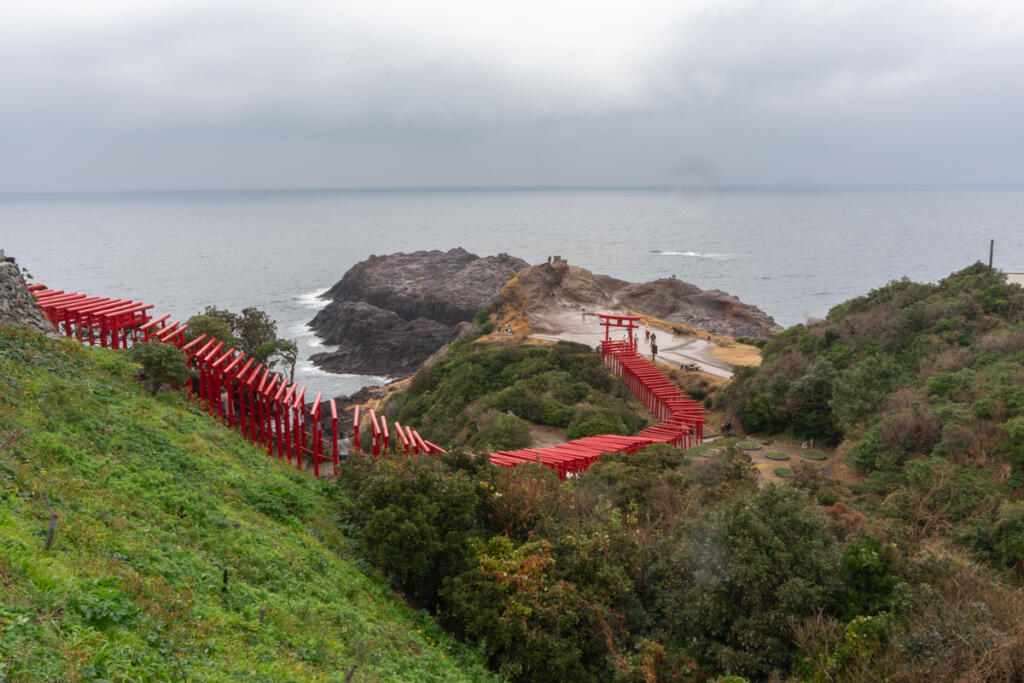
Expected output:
(793, 251)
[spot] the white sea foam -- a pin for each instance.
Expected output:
(304, 333)
(691, 254)
(308, 368)
(312, 299)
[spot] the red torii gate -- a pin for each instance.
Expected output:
(629, 322)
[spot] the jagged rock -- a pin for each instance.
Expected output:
(389, 313)
(17, 305)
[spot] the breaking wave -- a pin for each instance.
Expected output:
(691, 254)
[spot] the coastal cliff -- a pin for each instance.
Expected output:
(389, 313)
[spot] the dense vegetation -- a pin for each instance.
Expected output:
(661, 566)
(482, 395)
(926, 384)
(672, 566)
(181, 551)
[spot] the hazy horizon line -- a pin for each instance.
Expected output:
(723, 187)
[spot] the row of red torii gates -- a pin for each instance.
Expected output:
(681, 416)
(269, 409)
(263, 406)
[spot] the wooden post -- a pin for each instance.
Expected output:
(991, 249)
(334, 432)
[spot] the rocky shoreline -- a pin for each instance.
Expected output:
(388, 314)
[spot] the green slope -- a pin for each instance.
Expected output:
(155, 501)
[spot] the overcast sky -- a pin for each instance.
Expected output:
(192, 94)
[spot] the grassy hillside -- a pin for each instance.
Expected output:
(156, 505)
(482, 395)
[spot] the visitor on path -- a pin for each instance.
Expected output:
(653, 338)
(583, 314)
(647, 334)
(654, 351)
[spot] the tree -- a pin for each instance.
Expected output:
(161, 364)
(256, 333)
(212, 326)
(286, 352)
(253, 332)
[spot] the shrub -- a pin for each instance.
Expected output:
(595, 423)
(417, 520)
(743, 573)
(868, 455)
(162, 364)
(869, 578)
(1012, 446)
(501, 431)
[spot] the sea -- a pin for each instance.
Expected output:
(794, 251)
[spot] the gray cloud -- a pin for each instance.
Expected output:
(262, 94)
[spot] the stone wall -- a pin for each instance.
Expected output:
(17, 305)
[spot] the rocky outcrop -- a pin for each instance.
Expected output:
(672, 300)
(389, 313)
(710, 310)
(17, 305)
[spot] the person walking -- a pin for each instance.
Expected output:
(654, 351)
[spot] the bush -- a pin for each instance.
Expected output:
(594, 424)
(417, 520)
(869, 578)
(501, 432)
(162, 364)
(868, 455)
(743, 573)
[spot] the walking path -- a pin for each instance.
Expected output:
(673, 349)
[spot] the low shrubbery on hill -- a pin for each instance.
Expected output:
(483, 395)
(909, 369)
(667, 566)
(650, 566)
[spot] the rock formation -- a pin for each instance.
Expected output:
(389, 313)
(672, 300)
(17, 305)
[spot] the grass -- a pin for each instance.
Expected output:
(749, 445)
(776, 455)
(156, 503)
(813, 455)
(711, 448)
(783, 471)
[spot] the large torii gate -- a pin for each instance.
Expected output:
(629, 322)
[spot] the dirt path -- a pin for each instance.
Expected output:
(570, 324)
